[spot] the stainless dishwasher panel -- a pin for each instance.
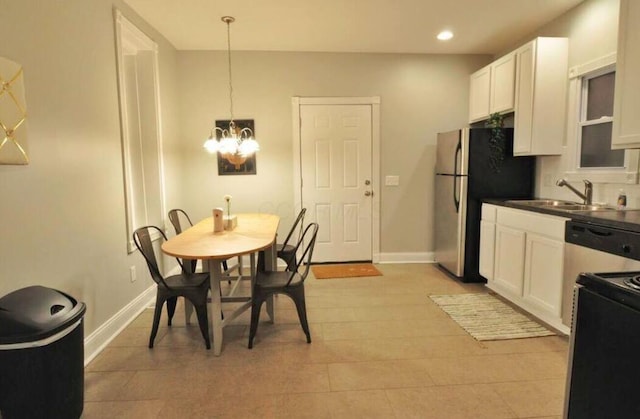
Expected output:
(580, 259)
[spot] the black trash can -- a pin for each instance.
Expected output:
(41, 354)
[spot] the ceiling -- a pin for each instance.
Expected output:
(387, 26)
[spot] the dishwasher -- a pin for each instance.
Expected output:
(603, 368)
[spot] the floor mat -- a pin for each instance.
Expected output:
(485, 317)
(344, 270)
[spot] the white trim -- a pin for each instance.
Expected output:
(374, 101)
(103, 335)
(408, 257)
(130, 41)
(591, 66)
(331, 100)
(626, 175)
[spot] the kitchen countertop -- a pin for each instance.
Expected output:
(628, 219)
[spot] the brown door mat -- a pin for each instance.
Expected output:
(344, 270)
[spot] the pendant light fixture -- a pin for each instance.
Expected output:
(234, 144)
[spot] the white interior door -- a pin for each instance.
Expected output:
(337, 179)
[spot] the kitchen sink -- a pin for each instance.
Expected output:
(560, 205)
(542, 202)
(584, 207)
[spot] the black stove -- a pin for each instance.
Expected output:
(622, 287)
(603, 357)
(633, 282)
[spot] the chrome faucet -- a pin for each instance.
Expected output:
(587, 196)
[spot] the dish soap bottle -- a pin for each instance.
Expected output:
(622, 199)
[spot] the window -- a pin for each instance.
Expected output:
(589, 125)
(595, 122)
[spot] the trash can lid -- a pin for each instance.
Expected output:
(36, 312)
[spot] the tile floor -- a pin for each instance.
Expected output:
(381, 349)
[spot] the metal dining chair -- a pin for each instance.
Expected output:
(289, 282)
(287, 251)
(192, 286)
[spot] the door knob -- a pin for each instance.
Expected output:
(368, 193)
(367, 182)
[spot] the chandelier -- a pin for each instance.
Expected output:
(234, 144)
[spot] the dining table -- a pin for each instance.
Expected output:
(253, 233)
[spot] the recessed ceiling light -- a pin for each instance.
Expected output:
(445, 35)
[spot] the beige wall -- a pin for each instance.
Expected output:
(420, 96)
(62, 218)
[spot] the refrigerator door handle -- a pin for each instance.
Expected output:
(456, 201)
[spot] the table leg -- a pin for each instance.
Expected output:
(214, 268)
(271, 264)
(188, 266)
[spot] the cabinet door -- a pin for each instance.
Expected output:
(503, 72)
(540, 106)
(509, 260)
(479, 94)
(523, 118)
(626, 109)
(487, 248)
(543, 273)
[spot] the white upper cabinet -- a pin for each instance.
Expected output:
(626, 108)
(503, 72)
(540, 99)
(492, 89)
(479, 94)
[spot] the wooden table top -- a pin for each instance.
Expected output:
(254, 232)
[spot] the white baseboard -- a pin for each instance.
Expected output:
(100, 338)
(417, 257)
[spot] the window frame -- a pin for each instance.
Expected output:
(576, 108)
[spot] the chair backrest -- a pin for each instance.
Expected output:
(309, 236)
(174, 217)
(142, 240)
(299, 221)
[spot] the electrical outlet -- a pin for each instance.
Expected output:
(547, 179)
(132, 273)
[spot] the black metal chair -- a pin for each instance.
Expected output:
(174, 216)
(192, 286)
(286, 251)
(290, 282)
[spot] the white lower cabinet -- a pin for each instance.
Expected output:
(487, 240)
(527, 249)
(543, 268)
(509, 259)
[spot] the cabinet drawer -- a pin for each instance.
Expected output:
(546, 225)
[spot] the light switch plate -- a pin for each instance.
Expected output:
(392, 180)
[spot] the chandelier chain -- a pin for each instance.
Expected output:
(229, 63)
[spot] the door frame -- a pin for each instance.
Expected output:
(374, 102)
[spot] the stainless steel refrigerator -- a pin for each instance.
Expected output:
(469, 168)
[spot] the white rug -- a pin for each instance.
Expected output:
(485, 317)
